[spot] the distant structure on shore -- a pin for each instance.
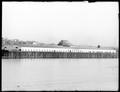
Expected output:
(64, 43)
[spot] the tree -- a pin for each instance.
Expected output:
(98, 46)
(64, 43)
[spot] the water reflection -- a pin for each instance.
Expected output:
(59, 74)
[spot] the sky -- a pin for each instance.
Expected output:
(81, 23)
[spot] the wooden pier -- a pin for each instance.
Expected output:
(38, 54)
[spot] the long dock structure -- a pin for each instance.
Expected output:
(58, 52)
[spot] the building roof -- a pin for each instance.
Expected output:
(71, 47)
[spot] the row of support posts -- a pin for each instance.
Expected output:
(33, 54)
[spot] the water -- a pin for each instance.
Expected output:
(59, 74)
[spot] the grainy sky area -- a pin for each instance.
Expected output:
(81, 23)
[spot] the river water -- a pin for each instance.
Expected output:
(59, 74)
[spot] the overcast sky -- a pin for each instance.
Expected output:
(81, 23)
